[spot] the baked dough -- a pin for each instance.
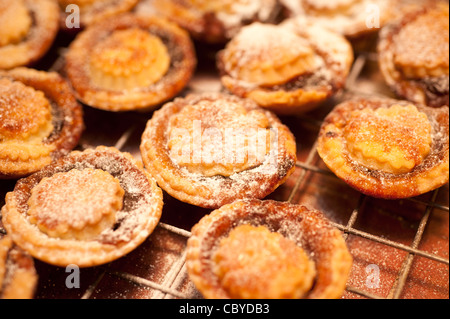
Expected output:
(387, 148)
(40, 121)
(130, 63)
(28, 29)
(18, 276)
(289, 68)
(211, 149)
(216, 21)
(87, 209)
(253, 249)
(414, 55)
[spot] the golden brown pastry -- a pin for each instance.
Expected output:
(253, 249)
(18, 277)
(211, 149)
(216, 21)
(289, 68)
(352, 18)
(40, 121)
(387, 148)
(130, 63)
(27, 31)
(414, 55)
(87, 209)
(92, 11)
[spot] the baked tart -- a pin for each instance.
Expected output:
(87, 209)
(253, 249)
(289, 68)
(414, 55)
(130, 63)
(354, 19)
(92, 11)
(211, 149)
(40, 121)
(387, 148)
(216, 21)
(28, 29)
(18, 277)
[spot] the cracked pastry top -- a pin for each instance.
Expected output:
(130, 63)
(40, 121)
(351, 18)
(211, 149)
(216, 21)
(87, 209)
(27, 30)
(92, 11)
(290, 68)
(414, 55)
(18, 276)
(387, 148)
(253, 249)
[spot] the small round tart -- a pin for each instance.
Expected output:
(351, 18)
(289, 68)
(92, 11)
(130, 63)
(211, 149)
(18, 277)
(27, 30)
(216, 21)
(387, 148)
(40, 121)
(253, 249)
(88, 208)
(414, 55)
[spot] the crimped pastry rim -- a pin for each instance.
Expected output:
(195, 190)
(61, 252)
(332, 149)
(332, 272)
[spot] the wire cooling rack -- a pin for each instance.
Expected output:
(400, 248)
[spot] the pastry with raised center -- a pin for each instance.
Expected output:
(28, 29)
(88, 208)
(414, 55)
(289, 68)
(387, 148)
(130, 63)
(216, 21)
(211, 149)
(40, 121)
(18, 276)
(253, 249)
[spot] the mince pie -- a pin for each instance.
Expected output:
(130, 63)
(27, 30)
(414, 55)
(253, 249)
(387, 148)
(216, 21)
(18, 276)
(87, 209)
(211, 149)
(40, 121)
(289, 68)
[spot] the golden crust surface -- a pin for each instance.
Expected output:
(430, 162)
(216, 190)
(129, 93)
(414, 54)
(93, 240)
(37, 35)
(307, 229)
(41, 121)
(290, 68)
(18, 276)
